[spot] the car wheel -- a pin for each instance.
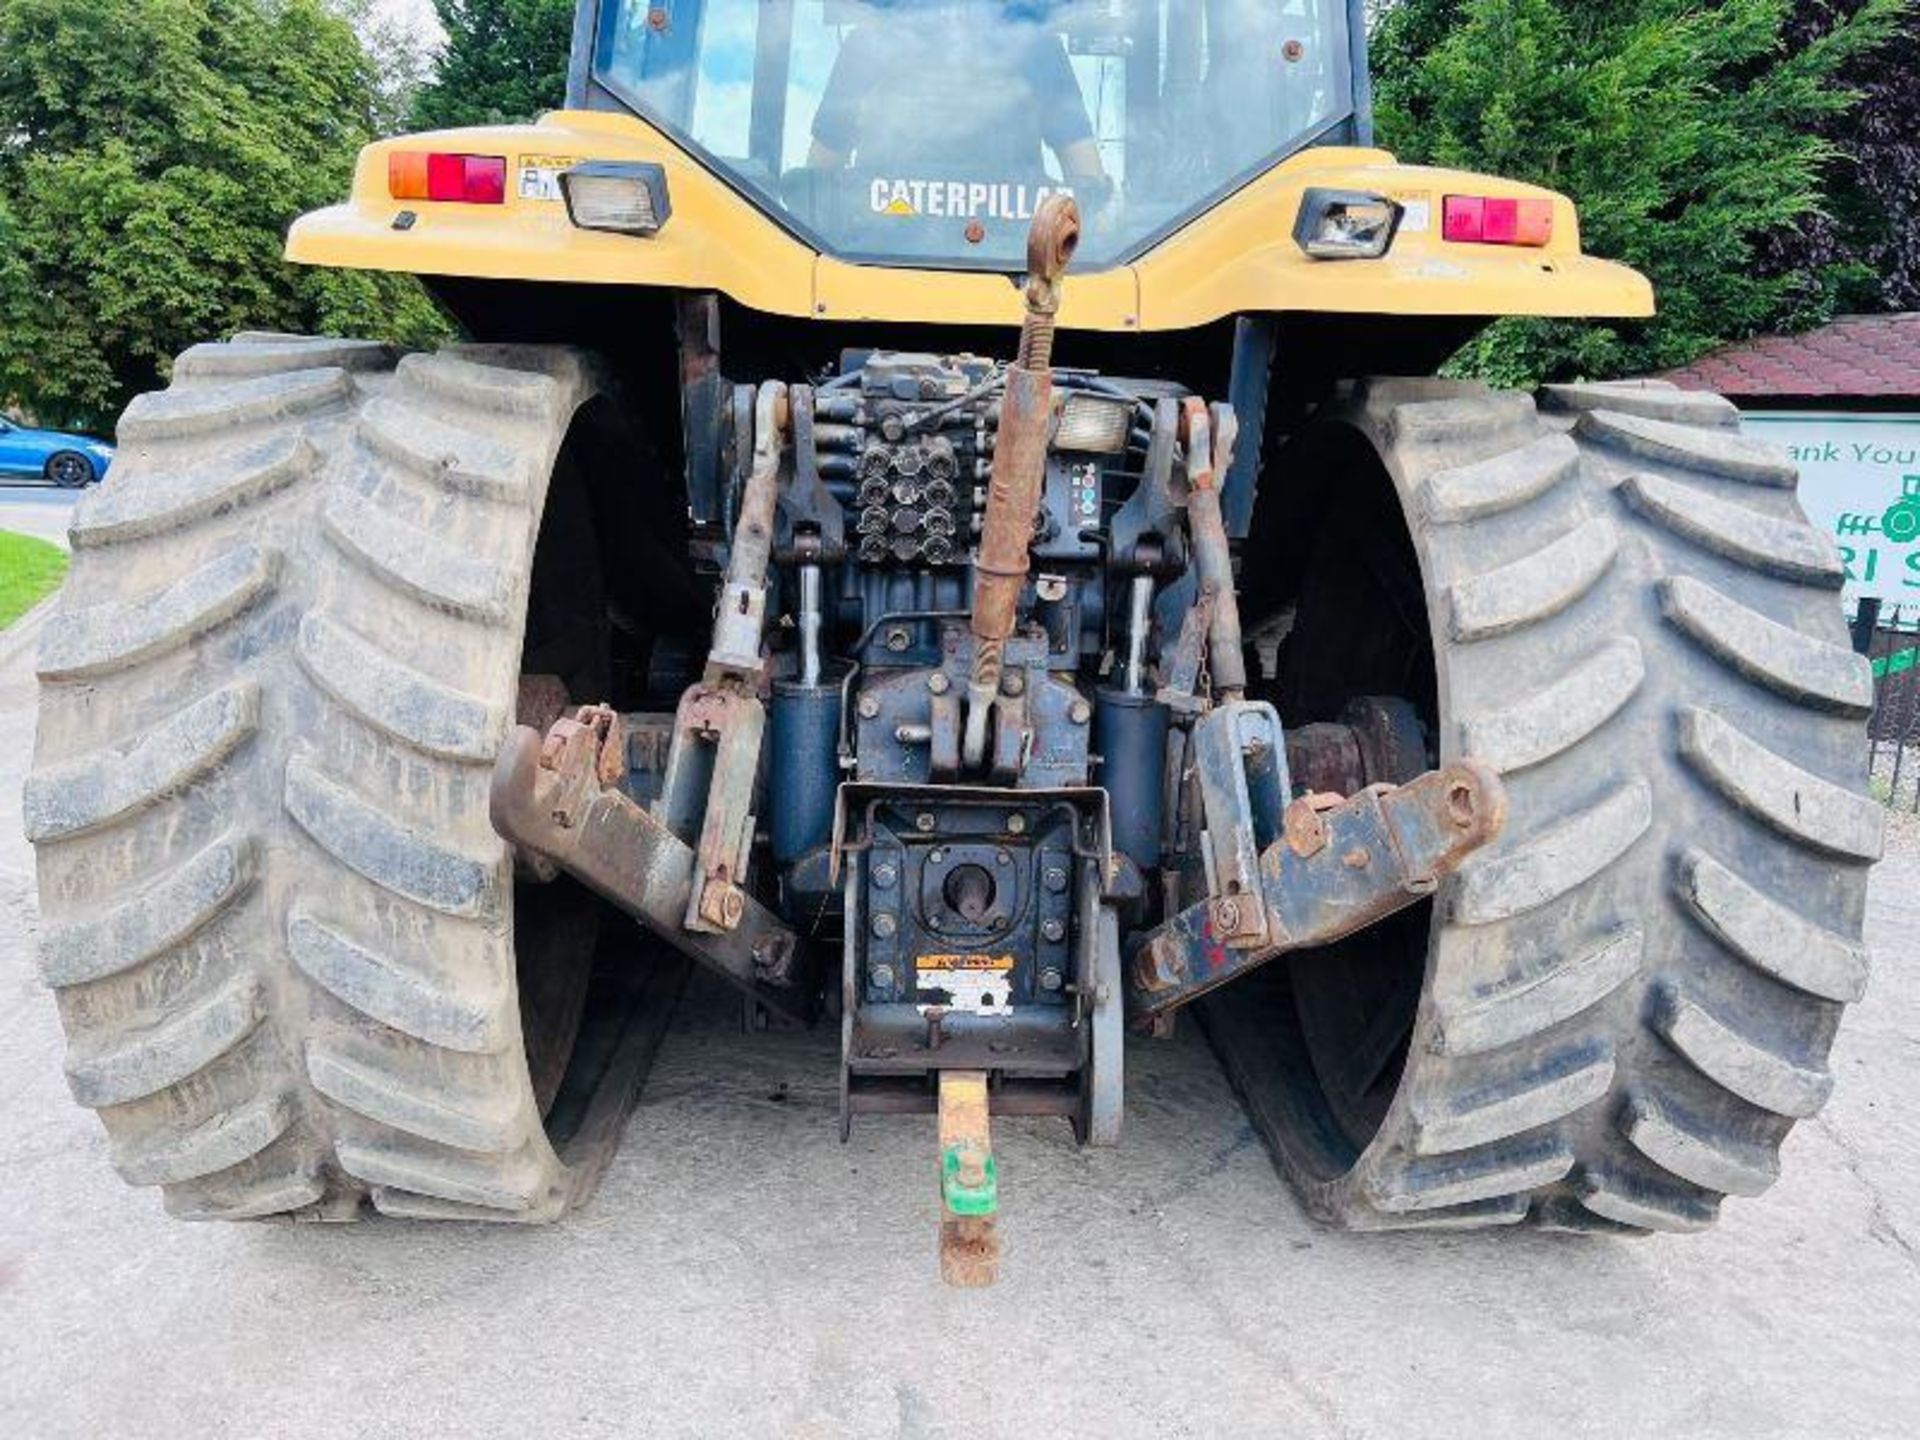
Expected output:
(70, 470)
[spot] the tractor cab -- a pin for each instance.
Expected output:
(929, 131)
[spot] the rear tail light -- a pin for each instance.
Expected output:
(1497, 220)
(462, 179)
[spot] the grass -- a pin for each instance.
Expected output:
(29, 571)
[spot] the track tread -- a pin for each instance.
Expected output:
(412, 562)
(1795, 802)
(364, 838)
(276, 355)
(200, 411)
(459, 459)
(140, 500)
(169, 1157)
(1707, 450)
(490, 389)
(1560, 714)
(1535, 587)
(1803, 668)
(1789, 549)
(1632, 1201)
(91, 791)
(1551, 1091)
(1755, 1071)
(1490, 1174)
(83, 644)
(1641, 401)
(166, 914)
(395, 698)
(149, 1059)
(1690, 1150)
(1539, 869)
(375, 984)
(1466, 415)
(444, 1174)
(1630, 996)
(261, 1193)
(280, 937)
(427, 1107)
(1519, 1009)
(1500, 483)
(1771, 936)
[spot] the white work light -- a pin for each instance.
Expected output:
(1346, 224)
(624, 197)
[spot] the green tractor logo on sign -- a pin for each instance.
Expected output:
(1901, 520)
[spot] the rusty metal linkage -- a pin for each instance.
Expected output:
(1209, 437)
(1334, 871)
(559, 797)
(1019, 466)
(741, 621)
(969, 1185)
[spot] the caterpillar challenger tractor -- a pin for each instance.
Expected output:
(943, 514)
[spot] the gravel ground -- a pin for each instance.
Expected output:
(742, 1273)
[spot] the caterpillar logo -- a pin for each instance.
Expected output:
(959, 199)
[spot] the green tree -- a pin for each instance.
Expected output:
(505, 61)
(157, 150)
(1688, 134)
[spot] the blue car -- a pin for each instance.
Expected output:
(68, 460)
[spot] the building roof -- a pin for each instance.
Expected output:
(1854, 357)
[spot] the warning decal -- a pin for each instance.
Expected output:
(540, 175)
(982, 984)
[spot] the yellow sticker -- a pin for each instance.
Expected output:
(1000, 963)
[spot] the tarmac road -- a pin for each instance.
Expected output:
(742, 1274)
(42, 510)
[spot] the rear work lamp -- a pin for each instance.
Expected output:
(619, 196)
(461, 179)
(1496, 220)
(1346, 224)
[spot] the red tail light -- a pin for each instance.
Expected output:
(462, 179)
(1496, 220)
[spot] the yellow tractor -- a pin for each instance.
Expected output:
(943, 514)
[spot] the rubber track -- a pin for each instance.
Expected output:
(1632, 994)
(274, 916)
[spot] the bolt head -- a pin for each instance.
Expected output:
(1012, 682)
(883, 925)
(1050, 979)
(1053, 930)
(869, 707)
(1226, 914)
(884, 874)
(1079, 712)
(898, 639)
(924, 822)
(1055, 878)
(881, 976)
(939, 683)
(1016, 824)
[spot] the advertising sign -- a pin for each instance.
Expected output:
(1860, 483)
